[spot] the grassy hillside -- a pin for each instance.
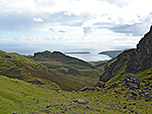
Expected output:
(67, 76)
(72, 72)
(25, 98)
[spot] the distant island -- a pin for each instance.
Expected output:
(112, 53)
(77, 53)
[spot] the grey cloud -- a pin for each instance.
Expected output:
(136, 29)
(62, 31)
(119, 3)
(87, 30)
(74, 23)
(103, 25)
(59, 17)
(24, 21)
(13, 21)
(63, 18)
(51, 29)
(128, 29)
(44, 3)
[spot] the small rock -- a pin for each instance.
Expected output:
(86, 89)
(113, 86)
(134, 103)
(81, 101)
(149, 74)
(146, 88)
(14, 113)
(125, 107)
(147, 99)
(107, 108)
(134, 111)
(46, 111)
(134, 94)
(48, 106)
(118, 92)
(35, 112)
(87, 107)
(141, 92)
(100, 84)
(147, 95)
(147, 83)
(7, 56)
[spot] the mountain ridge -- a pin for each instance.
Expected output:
(69, 76)
(135, 60)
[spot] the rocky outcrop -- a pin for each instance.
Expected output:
(112, 69)
(134, 60)
(142, 58)
(132, 81)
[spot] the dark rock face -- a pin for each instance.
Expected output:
(136, 60)
(142, 58)
(112, 69)
(132, 81)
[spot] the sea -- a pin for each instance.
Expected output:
(93, 48)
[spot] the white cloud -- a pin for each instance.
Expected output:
(71, 19)
(37, 19)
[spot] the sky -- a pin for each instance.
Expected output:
(72, 21)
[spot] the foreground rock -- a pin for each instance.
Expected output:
(81, 101)
(132, 81)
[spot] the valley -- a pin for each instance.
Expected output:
(55, 83)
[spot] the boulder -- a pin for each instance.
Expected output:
(81, 101)
(113, 86)
(132, 81)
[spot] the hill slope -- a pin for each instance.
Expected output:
(21, 97)
(73, 72)
(131, 61)
(43, 72)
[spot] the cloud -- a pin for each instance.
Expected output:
(135, 29)
(37, 19)
(87, 30)
(70, 17)
(119, 3)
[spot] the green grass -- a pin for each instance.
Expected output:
(68, 75)
(119, 76)
(22, 97)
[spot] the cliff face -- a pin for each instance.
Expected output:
(121, 60)
(142, 59)
(135, 60)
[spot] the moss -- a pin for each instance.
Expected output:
(22, 97)
(118, 77)
(68, 76)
